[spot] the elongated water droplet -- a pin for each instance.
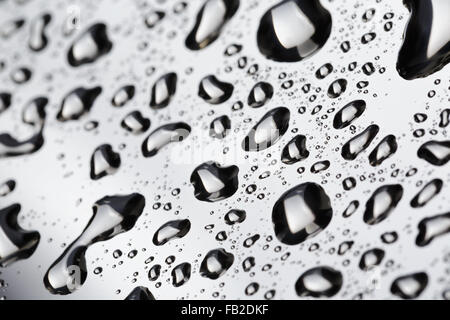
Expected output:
(162, 136)
(293, 30)
(301, 213)
(337, 88)
(210, 21)
(382, 202)
(427, 193)
(154, 272)
(435, 152)
(213, 183)
(349, 113)
(319, 282)
(77, 102)
(171, 230)
(216, 263)
(352, 148)
(385, 149)
(426, 44)
(351, 208)
(104, 161)
(295, 150)
(123, 95)
(410, 286)
(163, 90)
(433, 227)
(7, 187)
(38, 39)
(5, 101)
(272, 126)
(260, 94)
(15, 242)
(89, 46)
(135, 122)
(445, 118)
(11, 147)
(214, 91)
(112, 215)
(320, 166)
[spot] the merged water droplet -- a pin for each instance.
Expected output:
(171, 230)
(91, 44)
(382, 202)
(104, 161)
(163, 90)
(15, 242)
(112, 215)
(352, 148)
(410, 286)
(214, 91)
(301, 213)
(272, 126)
(293, 30)
(435, 152)
(350, 112)
(77, 102)
(213, 183)
(38, 39)
(260, 94)
(295, 150)
(426, 44)
(433, 227)
(162, 136)
(216, 263)
(319, 282)
(210, 21)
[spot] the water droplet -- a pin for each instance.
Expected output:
(89, 46)
(38, 39)
(34, 112)
(352, 148)
(427, 193)
(216, 263)
(7, 187)
(220, 127)
(210, 21)
(409, 286)
(272, 126)
(214, 91)
(293, 30)
(371, 258)
(5, 101)
(123, 95)
(433, 227)
(104, 161)
(213, 182)
(235, 216)
(301, 213)
(337, 88)
(171, 230)
(153, 18)
(181, 274)
(295, 150)
(162, 136)
(135, 122)
(163, 90)
(435, 152)
(77, 102)
(382, 202)
(386, 148)
(112, 215)
(140, 293)
(319, 282)
(260, 94)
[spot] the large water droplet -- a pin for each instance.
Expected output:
(104, 161)
(214, 91)
(213, 182)
(435, 152)
(352, 148)
(15, 242)
(293, 30)
(162, 136)
(216, 263)
(427, 193)
(319, 282)
(382, 202)
(301, 213)
(426, 45)
(38, 39)
(163, 90)
(112, 216)
(211, 19)
(295, 150)
(386, 148)
(272, 126)
(89, 46)
(349, 113)
(433, 227)
(77, 102)
(260, 94)
(410, 286)
(171, 230)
